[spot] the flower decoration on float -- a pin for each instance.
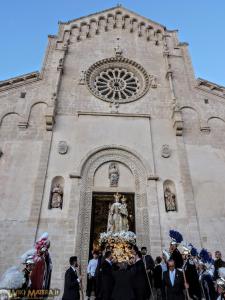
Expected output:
(120, 243)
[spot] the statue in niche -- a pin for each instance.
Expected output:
(114, 174)
(170, 200)
(56, 196)
(118, 215)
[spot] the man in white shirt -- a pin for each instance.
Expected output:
(91, 282)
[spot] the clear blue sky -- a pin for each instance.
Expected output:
(25, 24)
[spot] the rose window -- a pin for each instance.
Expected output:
(117, 79)
(117, 84)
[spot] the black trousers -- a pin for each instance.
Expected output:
(91, 286)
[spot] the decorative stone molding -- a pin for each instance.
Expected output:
(118, 79)
(118, 18)
(93, 152)
(205, 129)
(166, 151)
(20, 80)
(62, 147)
(74, 175)
(211, 87)
(153, 177)
(60, 65)
(153, 81)
(177, 122)
(82, 80)
(23, 124)
(141, 212)
(50, 118)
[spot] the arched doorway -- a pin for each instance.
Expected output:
(140, 173)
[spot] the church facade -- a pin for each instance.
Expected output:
(115, 108)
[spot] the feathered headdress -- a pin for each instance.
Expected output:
(13, 278)
(194, 251)
(175, 236)
(204, 255)
(42, 243)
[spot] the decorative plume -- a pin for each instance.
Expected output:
(204, 255)
(176, 236)
(194, 251)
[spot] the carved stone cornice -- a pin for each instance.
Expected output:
(205, 129)
(19, 80)
(50, 118)
(210, 87)
(112, 19)
(153, 177)
(177, 122)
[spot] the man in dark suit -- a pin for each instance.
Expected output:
(107, 276)
(72, 282)
(173, 283)
(176, 256)
(218, 263)
(98, 276)
(149, 265)
(139, 278)
(192, 278)
(157, 276)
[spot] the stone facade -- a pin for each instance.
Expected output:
(53, 126)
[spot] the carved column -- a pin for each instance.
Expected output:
(176, 113)
(51, 110)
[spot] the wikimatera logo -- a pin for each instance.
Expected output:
(29, 294)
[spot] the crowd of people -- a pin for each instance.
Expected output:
(177, 274)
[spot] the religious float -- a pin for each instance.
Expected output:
(118, 238)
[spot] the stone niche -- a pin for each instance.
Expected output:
(170, 197)
(121, 178)
(56, 196)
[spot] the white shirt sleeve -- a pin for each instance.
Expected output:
(89, 267)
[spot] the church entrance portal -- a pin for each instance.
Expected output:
(101, 202)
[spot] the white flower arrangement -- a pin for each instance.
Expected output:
(117, 237)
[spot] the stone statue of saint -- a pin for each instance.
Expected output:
(57, 196)
(115, 218)
(170, 200)
(114, 174)
(124, 214)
